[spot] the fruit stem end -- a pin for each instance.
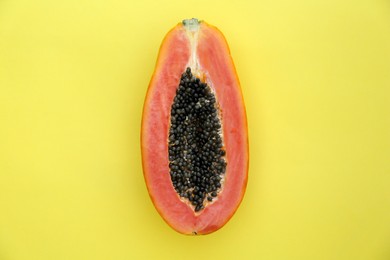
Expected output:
(191, 24)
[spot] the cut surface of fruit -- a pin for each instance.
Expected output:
(194, 138)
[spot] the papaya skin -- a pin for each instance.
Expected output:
(214, 61)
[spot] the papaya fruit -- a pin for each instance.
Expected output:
(194, 137)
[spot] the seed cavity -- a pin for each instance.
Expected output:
(196, 154)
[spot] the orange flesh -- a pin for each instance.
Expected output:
(216, 66)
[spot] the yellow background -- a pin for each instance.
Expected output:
(316, 80)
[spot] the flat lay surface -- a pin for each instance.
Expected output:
(316, 84)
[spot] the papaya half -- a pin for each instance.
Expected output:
(194, 137)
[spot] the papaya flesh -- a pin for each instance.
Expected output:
(194, 137)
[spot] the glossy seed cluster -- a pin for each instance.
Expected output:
(196, 156)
